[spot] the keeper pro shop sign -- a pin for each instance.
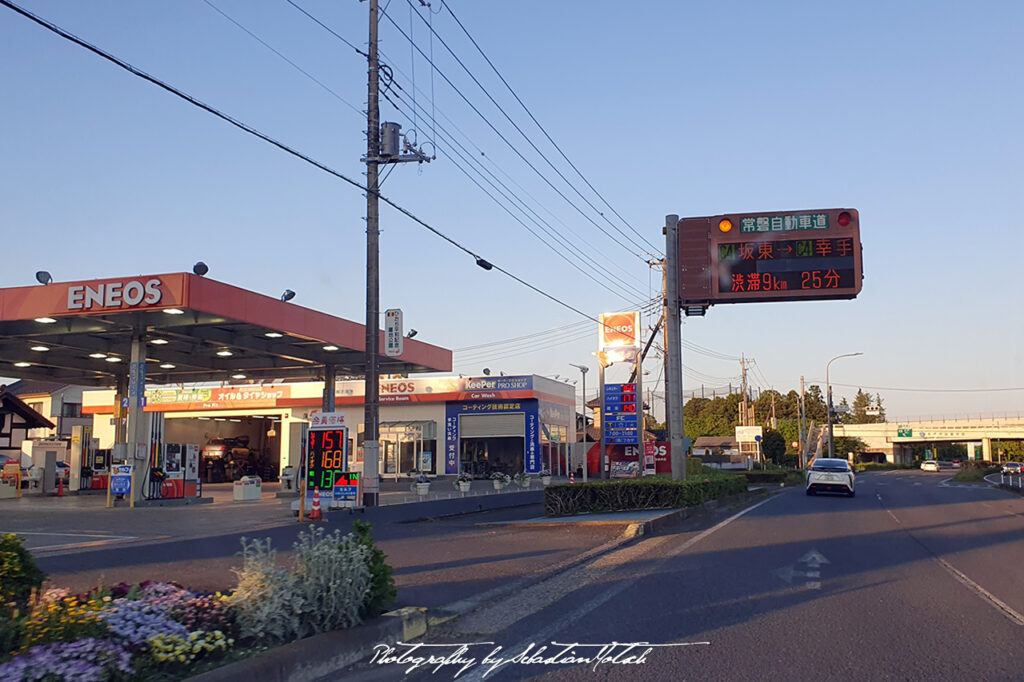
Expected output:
(618, 330)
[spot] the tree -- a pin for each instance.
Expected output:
(773, 446)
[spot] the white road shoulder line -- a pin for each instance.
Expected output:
(983, 593)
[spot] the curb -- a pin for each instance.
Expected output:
(316, 657)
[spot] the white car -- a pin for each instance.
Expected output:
(929, 465)
(831, 476)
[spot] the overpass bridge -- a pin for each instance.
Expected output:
(894, 439)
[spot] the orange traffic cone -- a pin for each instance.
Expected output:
(314, 513)
(572, 476)
(60, 487)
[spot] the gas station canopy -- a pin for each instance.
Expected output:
(196, 330)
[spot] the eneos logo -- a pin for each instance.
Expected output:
(114, 294)
(619, 330)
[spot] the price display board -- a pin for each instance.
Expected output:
(781, 256)
(621, 414)
(328, 458)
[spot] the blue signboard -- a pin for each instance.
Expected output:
(620, 414)
(121, 480)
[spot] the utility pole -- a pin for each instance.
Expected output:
(673, 349)
(746, 410)
(803, 422)
(371, 409)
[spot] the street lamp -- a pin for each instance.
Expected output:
(828, 391)
(584, 369)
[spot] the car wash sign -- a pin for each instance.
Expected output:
(528, 428)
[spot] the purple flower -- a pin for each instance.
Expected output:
(137, 621)
(87, 660)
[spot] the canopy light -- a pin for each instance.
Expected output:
(98, 356)
(273, 335)
(167, 365)
(237, 376)
(45, 320)
(159, 342)
(174, 311)
(40, 349)
(224, 353)
(113, 358)
(23, 364)
(331, 347)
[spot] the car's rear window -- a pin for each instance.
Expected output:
(830, 466)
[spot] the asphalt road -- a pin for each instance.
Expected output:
(916, 578)
(436, 562)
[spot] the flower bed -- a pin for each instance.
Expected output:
(163, 631)
(655, 492)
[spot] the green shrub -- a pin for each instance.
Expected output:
(765, 477)
(18, 572)
(975, 475)
(656, 492)
(12, 632)
(382, 592)
(326, 590)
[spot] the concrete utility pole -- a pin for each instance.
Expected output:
(673, 349)
(803, 423)
(371, 410)
(744, 415)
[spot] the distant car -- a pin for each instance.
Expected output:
(929, 465)
(1013, 468)
(956, 464)
(831, 476)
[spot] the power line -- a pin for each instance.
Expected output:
(547, 230)
(929, 390)
(468, 158)
(513, 147)
(522, 205)
(280, 145)
(542, 129)
(335, 94)
(279, 54)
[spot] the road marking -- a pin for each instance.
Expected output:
(813, 559)
(812, 585)
(983, 593)
(993, 601)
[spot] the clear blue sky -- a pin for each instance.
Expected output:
(909, 112)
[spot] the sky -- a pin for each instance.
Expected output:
(909, 112)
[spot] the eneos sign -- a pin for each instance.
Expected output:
(114, 294)
(618, 330)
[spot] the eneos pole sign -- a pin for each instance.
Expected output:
(769, 256)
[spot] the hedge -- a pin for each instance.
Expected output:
(765, 477)
(653, 492)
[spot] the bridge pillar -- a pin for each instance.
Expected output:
(986, 449)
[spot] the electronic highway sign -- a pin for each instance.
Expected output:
(769, 256)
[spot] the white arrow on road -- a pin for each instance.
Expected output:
(813, 559)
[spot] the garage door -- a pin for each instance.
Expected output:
(492, 425)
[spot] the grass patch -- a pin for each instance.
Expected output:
(974, 475)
